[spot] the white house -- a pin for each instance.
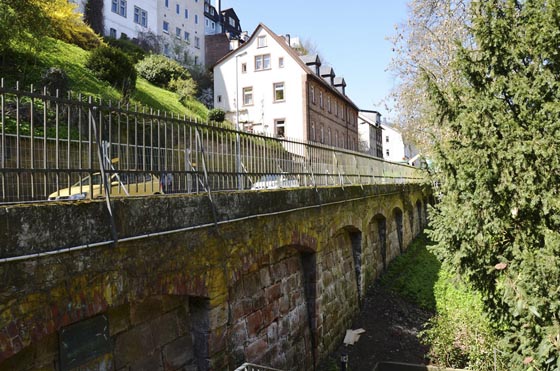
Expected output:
(181, 22)
(178, 23)
(371, 133)
(265, 86)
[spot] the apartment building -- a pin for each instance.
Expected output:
(177, 25)
(265, 86)
(371, 133)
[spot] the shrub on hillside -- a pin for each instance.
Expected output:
(55, 80)
(185, 88)
(217, 115)
(160, 70)
(112, 65)
(134, 52)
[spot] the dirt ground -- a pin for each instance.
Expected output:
(391, 325)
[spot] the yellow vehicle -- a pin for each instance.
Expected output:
(126, 184)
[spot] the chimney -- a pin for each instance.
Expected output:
(288, 39)
(219, 6)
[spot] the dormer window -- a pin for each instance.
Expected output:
(261, 41)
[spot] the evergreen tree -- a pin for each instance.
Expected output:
(498, 222)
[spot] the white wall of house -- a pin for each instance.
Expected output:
(264, 112)
(116, 22)
(185, 28)
(393, 145)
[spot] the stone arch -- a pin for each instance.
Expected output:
(398, 220)
(420, 215)
(340, 293)
(378, 242)
(273, 306)
(161, 330)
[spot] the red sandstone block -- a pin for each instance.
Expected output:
(256, 350)
(293, 265)
(254, 323)
(273, 293)
(284, 305)
(270, 312)
(242, 308)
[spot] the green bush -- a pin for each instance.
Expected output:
(160, 70)
(55, 79)
(185, 88)
(217, 115)
(134, 52)
(112, 65)
(460, 335)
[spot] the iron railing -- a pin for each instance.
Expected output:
(58, 148)
(254, 367)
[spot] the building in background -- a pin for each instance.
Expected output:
(177, 27)
(265, 86)
(223, 32)
(371, 133)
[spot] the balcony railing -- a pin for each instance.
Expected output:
(76, 147)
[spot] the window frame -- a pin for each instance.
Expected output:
(140, 16)
(166, 27)
(247, 92)
(275, 90)
(260, 61)
(277, 126)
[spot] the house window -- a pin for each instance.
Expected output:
(312, 131)
(329, 136)
(219, 99)
(178, 32)
(321, 100)
(165, 27)
(261, 41)
(167, 3)
(248, 96)
(140, 16)
(281, 62)
(279, 92)
(187, 36)
(280, 128)
(196, 60)
(312, 94)
(113, 33)
(387, 138)
(262, 62)
(329, 104)
(119, 7)
(243, 67)
(322, 134)
(207, 22)
(336, 138)
(196, 18)
(197, 42)
(166, 49)
(186, 13)
(213, 25)
(231, 22)
(177, 9)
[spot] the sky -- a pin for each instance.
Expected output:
(351, 36)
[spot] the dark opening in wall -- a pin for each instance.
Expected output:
(419, 213)
(309, 264)
(382, 235)
(356, 240)
(399, 224)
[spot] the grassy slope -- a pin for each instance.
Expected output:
(72, 59)
(459, 334)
